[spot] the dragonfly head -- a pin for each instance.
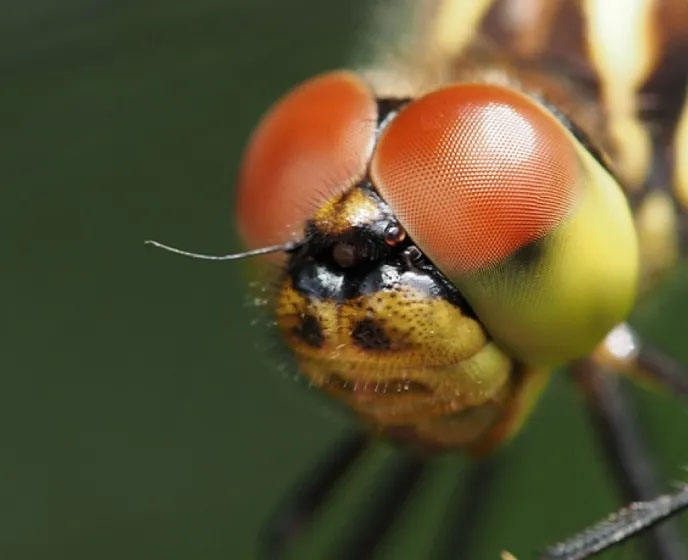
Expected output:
(505, 212)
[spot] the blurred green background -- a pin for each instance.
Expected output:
(139, 414)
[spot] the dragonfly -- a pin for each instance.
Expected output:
(486, 199)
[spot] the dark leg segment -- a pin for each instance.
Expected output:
(383, 507)
(310, 493)
(619, 526)
(626, 452)
(622, 351)
(662, 369)
(467, 510)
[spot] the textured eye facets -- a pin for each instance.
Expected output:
(312, 145)
(474, 172)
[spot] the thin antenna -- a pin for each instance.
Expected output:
(286, 247)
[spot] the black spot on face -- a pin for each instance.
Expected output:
(310, 332)
(369, 335)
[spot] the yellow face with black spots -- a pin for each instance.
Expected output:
(374, 323)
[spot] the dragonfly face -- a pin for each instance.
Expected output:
(449, 232)
(457, 231)
(457, 242)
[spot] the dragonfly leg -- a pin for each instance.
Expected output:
(623, 351)
(663, 369)
(300, 506)
(619, 526)
(467, 510)
(625, 451)
(383, 506)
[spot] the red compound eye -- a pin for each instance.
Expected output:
(313, 144)
(474, 172)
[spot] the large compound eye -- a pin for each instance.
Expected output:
(312, 145)
(534, 232)
(475, 172)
